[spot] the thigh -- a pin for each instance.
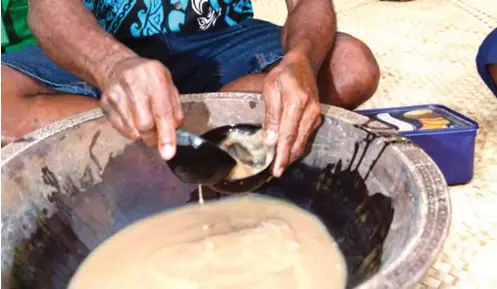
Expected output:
(492, 69)
(207, 61)
(349, 75)
(26, 99)
(15, 82)
(36, 92)
(39, 75)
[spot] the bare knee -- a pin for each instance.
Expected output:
(350, 75)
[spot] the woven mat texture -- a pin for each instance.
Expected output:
(426, 50)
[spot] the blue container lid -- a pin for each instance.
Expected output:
(423, 119)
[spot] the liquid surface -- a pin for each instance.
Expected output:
(239, 242)
(250, 152)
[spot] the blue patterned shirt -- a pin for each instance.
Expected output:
(139, 18)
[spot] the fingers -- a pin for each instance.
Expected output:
(293, 109)
(115, 120)
(142, 102)
(155, 105)
(141, 110)
(272, 99)
(310, 121)
(176, 104)
(117, 101)
(110, 108)
(165, 115)
(166, 137)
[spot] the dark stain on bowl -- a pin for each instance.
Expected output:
(138, 183)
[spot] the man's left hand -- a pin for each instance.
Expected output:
(292, 108)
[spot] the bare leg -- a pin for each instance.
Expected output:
(349, 76)
(492, 69)
(27, 105)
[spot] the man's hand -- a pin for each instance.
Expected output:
(141, 101)
(292, 108)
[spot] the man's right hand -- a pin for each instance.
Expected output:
(141, 101)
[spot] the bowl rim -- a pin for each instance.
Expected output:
(422, 250)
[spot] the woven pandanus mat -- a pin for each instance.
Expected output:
(426, 50)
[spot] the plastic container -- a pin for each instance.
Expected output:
(447, 136)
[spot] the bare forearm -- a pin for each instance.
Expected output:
(69, 34)
(310, 30)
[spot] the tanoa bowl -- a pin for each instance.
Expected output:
(68, 187)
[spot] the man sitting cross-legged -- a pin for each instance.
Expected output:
(133, 58)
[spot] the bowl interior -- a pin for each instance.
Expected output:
(69, 187)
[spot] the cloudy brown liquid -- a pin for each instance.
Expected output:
(252, 157)
(205, 228)
(200, 195)
(252, 243)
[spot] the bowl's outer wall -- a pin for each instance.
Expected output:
(34, 172)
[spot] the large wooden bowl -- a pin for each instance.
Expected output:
(69, 186)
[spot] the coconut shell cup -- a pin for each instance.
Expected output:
(194, 158)
(251, 183)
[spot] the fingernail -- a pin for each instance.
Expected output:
(270, 137)
(167, 152)
(136, 134)
(278, 172)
